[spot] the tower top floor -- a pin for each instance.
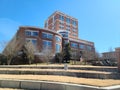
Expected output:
(61, 21)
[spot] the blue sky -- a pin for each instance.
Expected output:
(99, 20)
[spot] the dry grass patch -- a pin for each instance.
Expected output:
(10, 89)
(56, 70)
(64, 79)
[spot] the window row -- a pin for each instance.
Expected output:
(47, 35)
(81, 46)
(64, 34)
(68, 20)
(34, 41)
(48, 44)
(31, 33)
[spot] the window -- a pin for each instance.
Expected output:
(81, 46)
(55, 17)
(31, 33)
(61, 17)
(47, 44)
(61, 27)
(47, 35)
(74, 34)
(58, 38)
(61, 23)
(64, 34)
(57, 48)
(89, 48)
(34, 41)
(28, 33)
(74, 45)
(67, 29)
(74, 29)
(74, 23)
(67, 20)
(34, 33)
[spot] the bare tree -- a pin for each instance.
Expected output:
(87, 56)
(10, 49)
(47, 54)
(29, 51)
(13, 48)
(3, 44)
(75, 56)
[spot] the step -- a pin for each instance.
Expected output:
(61, 72)
(75, 67)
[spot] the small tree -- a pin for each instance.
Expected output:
(3, 59)
(29, 50)
(67, 52)
(59, 57)
(47, 54)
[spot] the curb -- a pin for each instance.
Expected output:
(47, 85)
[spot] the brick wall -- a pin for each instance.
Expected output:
(117, 50)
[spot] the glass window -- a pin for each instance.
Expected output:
(61, 17)
(34, 42)
(35, 34)
(44, 35)
(58, 39)
(64, 35)
(67, 20)
(74, 34)
(47, 35)
(81, 46)
(50, 36)
(27, 33)
(74, 23)
(74, 45)
(89, 48)
(57, 48)
(47, 44)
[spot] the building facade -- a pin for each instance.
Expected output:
(59, 29)
(41, 38)
(67, 26)
(113, 57)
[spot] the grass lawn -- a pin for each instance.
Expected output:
(75, 80)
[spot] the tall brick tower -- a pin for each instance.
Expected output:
(59, 21)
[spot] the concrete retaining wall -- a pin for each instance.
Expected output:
(45, 85)
(106, 69)
(64, 73)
